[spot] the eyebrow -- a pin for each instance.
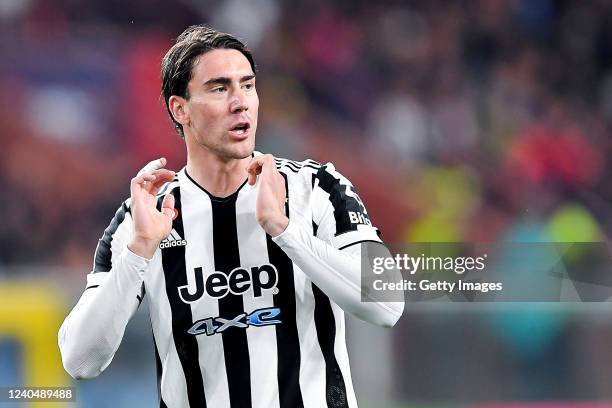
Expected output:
(226, 81)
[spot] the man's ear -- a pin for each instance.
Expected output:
(180, 110)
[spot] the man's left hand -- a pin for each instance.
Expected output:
(270, 209)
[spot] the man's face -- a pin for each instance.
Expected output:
(223, 104)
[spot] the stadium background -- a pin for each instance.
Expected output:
(472, 121)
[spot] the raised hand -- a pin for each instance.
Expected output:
(150, 225)
(271, 195)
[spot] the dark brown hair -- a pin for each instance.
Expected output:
(177, 64)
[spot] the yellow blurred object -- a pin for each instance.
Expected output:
(574, 223)
(449, 191)
(434, 228)
(446, 196)
(31, 312)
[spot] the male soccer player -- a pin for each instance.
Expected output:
(249, 261)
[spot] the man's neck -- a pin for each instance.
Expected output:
(219, 176)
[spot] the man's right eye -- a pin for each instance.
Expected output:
(219, 89)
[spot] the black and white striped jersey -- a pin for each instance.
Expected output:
(236, 323)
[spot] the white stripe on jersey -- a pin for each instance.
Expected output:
(261, 340)
(199, 253)
(342, 354)
(312, 368)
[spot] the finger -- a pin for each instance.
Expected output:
(136, 185)
(256, 162)
(140, 180)
(267, 163)
(140, 184)
(168, 206)
(253, 172)
(153, 165)
(253, 175)
(254, 169)
(163, 176)
(164, 173)
(153, 181)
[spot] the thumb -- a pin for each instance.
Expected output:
(168, 206)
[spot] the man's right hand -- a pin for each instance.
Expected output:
(150, 225)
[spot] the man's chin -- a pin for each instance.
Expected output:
(240, 151)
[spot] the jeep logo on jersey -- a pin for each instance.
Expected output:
(237, 282)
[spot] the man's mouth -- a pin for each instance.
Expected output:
(240, 128)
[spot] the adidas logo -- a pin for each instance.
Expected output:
(173, 240)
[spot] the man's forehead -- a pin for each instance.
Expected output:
(221, 63)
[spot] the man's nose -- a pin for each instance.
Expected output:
(239, 102)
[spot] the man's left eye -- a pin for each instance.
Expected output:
(248, 86)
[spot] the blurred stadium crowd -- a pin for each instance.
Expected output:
(457, 121)
(472, 121)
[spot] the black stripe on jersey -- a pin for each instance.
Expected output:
(341, 202)
(307, 163)
(175, 273)
(166, 187)
(291, 166)
(312, 167)
(315, 227)
(295, 162)
(335, 390)
(103, 256)
(287, 340)
(288, 168)
(142, 293)
(325, 323)
(295, 166)
(314, 163)
(282, 160)
(358, 242)
(235, 346)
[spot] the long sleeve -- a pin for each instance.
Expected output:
(331, 253)
(92, 332)
(338, 274)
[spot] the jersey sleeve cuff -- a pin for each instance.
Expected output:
(131, 268)
(352, 237)
(339, 242)
(94, 279)
(136, 260)
(289, 233)
(134, 265)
